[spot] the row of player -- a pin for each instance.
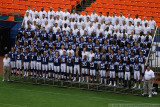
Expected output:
(66, 65)
(33, 15)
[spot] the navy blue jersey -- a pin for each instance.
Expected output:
(111, 67)
(22, 31)
(44, 59)
(136, 50)
(77, 60)
(37, 32)
(132, 59)
(69, 61)
(58, 45)
(84, 63)
(28, 31)
(111, 56)
(120, 68)
(128, 50)
(85, 38)
(63, 59)
(44, 35)
(92, 65)
(19, 56)
(127, 68)
(97, 57)
(39, 58)
(119, 57)
(12, 55)
(56, 61)
(141, 59)
(96, 46)
(26, 57)
(125, 58)
(50, 58)
(77, 39)
(81, 45)
(73, 46)
(137, 67)
(50, 34)
(103, 65)
(50, 44)
(70, 38)
(89, 46)
(33, 56)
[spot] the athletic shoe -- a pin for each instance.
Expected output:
(114, 85)
(110, 84)
(2, 80)
(150, 96)
(139, 87)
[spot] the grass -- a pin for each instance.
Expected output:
(28, 95)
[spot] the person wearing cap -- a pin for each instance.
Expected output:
(6, 68)
(148, 81)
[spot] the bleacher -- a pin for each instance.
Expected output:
(141, 7)
(11, 8)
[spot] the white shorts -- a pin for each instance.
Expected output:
(77, 69)
(63, 67)
(120, 75)
(44, 67)
(19, 64)
(33, 64)
(142, 66)
(50, 66)
(137, 75)
(38, 65)
(103, 73)
(127, 75)
(69, 69)
(92, 72)
(56, 68)
(84, 71)
(26, 65)
(112, 74)
(13, 64)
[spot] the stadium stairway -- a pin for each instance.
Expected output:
(84, 4)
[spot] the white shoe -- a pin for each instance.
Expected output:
(150, 96)
(114, 85)
(2, 80)
(139, 87)
(74, 80)
(8, 80)
(135, 86)
(110, 84)
(143, 94)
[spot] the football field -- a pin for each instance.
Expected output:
(28, 95)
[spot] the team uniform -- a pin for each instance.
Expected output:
(63, 65)
(127, 74)
(120, 73)
(77, 61)
(93, 70)
(69, 67)
(136, 74)
(103, 72)
(50, 64)
(33, 62)
(45, 66)
(84, 69)
(38, 65)
(19, 62)
(13, 62)
(56, 67)
(112, 73)
(26, 64)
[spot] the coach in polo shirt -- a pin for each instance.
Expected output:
(6, 68)
(148, 81)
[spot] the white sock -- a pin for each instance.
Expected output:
(105, 81)
(49, 74)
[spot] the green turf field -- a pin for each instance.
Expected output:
(27, 95)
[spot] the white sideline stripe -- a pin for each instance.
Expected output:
(12, 105)
(74, 95)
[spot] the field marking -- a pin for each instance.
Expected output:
(73, 95)
(13, 105)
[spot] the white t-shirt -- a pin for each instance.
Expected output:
(107, 19)
(137, 20)
(83, 54)
(34, 13)
(51, 13)
(121, 19)
(114, 19)
(90, 56)
(93, 16)
(149, 75)
(128, 20)
(152, 24)
(6, 62)
(41, 14)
